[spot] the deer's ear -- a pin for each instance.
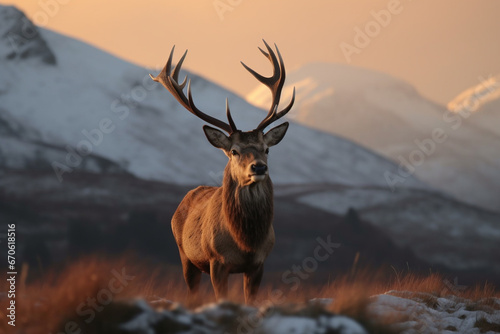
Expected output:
(274, 136)
(217, 138)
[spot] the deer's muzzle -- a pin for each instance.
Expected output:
(258, 172)
(259, 169)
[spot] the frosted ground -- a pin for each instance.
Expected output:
(422, 313)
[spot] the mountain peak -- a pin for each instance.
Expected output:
(478, 95)
(21, 39)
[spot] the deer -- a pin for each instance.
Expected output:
(229, 229)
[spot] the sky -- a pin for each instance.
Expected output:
(441, 47)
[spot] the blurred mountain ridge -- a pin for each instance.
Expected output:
(89, 126)
(447, 149)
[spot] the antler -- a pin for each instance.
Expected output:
(171, 82)
(275, 84)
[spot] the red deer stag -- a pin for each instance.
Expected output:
(228, 229)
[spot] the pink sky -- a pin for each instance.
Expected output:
(441, 47)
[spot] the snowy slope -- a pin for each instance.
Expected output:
(22, 147)
(393, 312)
(147, 131)
(482, 104)
(20, 39)
(390, 117)
(427, 313)
(437, 229)
(368, 107)
(69, 97)
(488, 116)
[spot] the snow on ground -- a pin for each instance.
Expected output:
(401, 311)
(225, 317)
(426, 313)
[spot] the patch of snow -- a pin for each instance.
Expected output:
(390, 117)
(450, 228)
(473, 98)
(148, 129)
(20, 38)
(289, 324)
(225, 317)
(345, 325)
(450, 314)
(406, 313)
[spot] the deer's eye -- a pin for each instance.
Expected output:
(267, 150)
(234, 152)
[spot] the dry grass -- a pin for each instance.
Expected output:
(46, 303)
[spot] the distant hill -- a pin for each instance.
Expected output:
(389, 116)
(80, 129)
(481, 104)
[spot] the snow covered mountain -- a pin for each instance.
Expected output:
(88, 100)
(368, 107)
(389, 116)
(481, 105)
(488, 116)
(66, 106)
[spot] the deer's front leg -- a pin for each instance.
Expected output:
(219, 276)
(251, 283)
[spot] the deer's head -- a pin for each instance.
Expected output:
(247, 151)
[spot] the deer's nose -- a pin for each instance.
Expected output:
(259, 169)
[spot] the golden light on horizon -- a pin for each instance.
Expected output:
(418, 42)
(112, 168)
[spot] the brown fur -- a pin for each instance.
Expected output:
(228, 229)
(248, 211)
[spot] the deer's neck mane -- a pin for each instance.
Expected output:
(248, 211)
